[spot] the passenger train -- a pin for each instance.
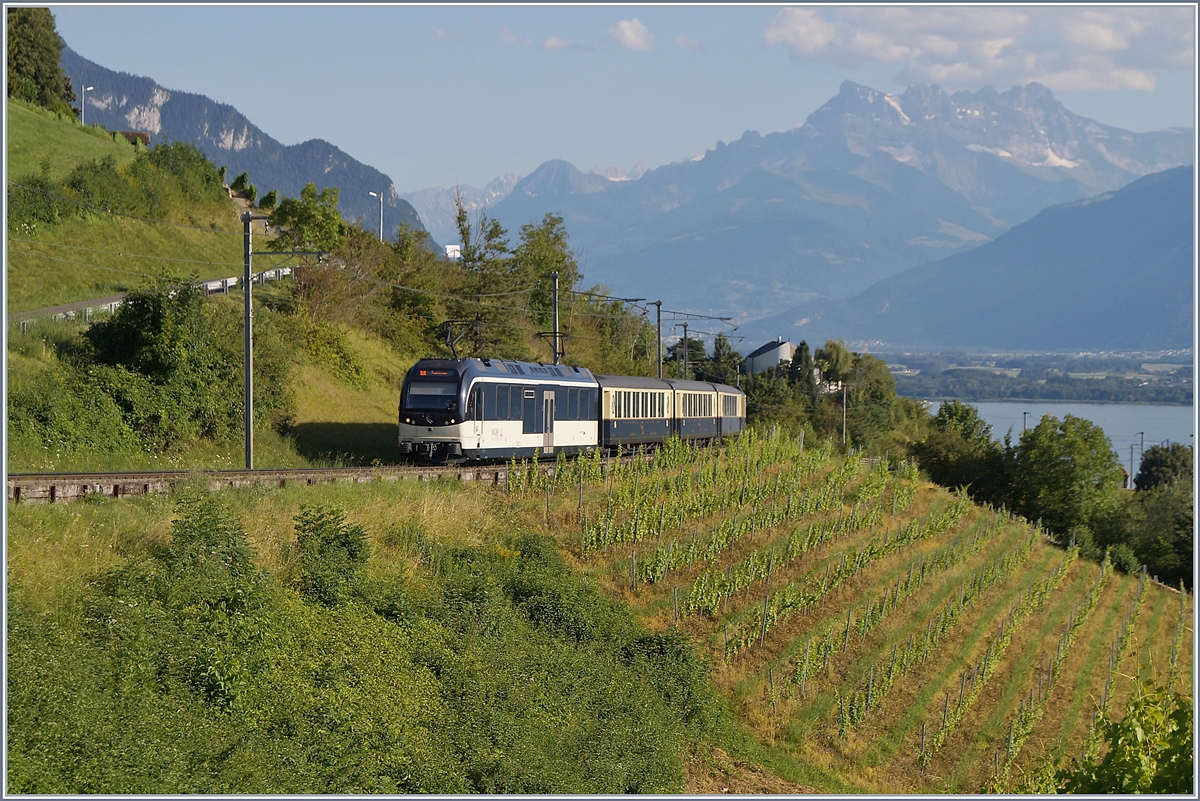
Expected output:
(477, 409)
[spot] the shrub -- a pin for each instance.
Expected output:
(332, 554)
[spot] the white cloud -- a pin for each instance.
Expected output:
(508, 37)
(1064, 48)
(633, 35)
(691, 44)
(554, 43)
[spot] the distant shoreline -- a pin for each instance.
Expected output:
(1011, 399)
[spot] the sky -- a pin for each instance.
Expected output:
(458, 95)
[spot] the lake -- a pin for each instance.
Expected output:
(1120, 421)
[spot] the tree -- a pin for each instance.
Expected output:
(488, 282)
(835, 361)
(960, 452)
(725, 360)
(801, 375)
(1065, 473)
(310, 222)
(1164, 465)
(695, 355)
(34, 49)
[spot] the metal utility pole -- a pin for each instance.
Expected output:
(1130, 485)
(248, 322)
(658, 319)
(1024, 417)
(247, 220)
(557, 345)
(684, 348)
(843, 414)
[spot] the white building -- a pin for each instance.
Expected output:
(770, 355)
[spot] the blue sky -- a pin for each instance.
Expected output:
(445, 95)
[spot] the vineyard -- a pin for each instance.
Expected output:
(877, 633)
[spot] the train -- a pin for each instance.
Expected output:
(455, 410)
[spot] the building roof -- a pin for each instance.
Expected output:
(767, 348)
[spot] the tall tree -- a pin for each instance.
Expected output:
(490, 285)
(725, 360)
(34, 48)
(1065, 473)
(801, 374)
(835, 360)
(1164, 466)
(310, 222)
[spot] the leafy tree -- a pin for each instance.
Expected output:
(725, 361)
(801, 375)
(310, 222)
(1159, 529)
(835, 361)
(239, 184)
(690, 347)
(1164, 465)
(1065, 473)
(543, 249)
(960, 452)
(269, 200)
(1150, 750)
(34, 49)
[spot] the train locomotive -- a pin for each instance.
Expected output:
(483, 409)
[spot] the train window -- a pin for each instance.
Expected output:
(500, 403)
(438, 395)
(572, 404)
(514, 403)
(474, 408)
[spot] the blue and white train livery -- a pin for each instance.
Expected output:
(495, 409)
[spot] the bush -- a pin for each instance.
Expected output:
(332, 554)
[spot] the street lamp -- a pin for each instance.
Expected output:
(1024, 417)
(380, 196)
(83, 105)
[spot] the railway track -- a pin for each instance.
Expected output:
(66, 487)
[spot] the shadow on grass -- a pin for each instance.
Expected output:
(347, 444)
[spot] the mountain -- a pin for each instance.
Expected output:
(436, 205)
(871, 185)
(127, 102)
(1113, 272)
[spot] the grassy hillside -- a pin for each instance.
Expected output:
(499, 605)
(88, 253)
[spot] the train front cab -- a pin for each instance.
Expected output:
(491, 409)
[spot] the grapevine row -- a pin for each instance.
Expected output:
(854, 706)
(796, 596)
(1032, 708)
(982, 671)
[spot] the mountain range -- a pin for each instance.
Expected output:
(1112, 272)
(871, 185)
(124, 102)
(849, 226)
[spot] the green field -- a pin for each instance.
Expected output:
(95, 255)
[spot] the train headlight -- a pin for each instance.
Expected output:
(452, 420)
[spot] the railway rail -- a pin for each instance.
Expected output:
(66, 487)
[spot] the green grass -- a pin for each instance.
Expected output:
(83, 258)
(36, 135)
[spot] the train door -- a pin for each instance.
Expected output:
(548, 421)
(475, 413)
